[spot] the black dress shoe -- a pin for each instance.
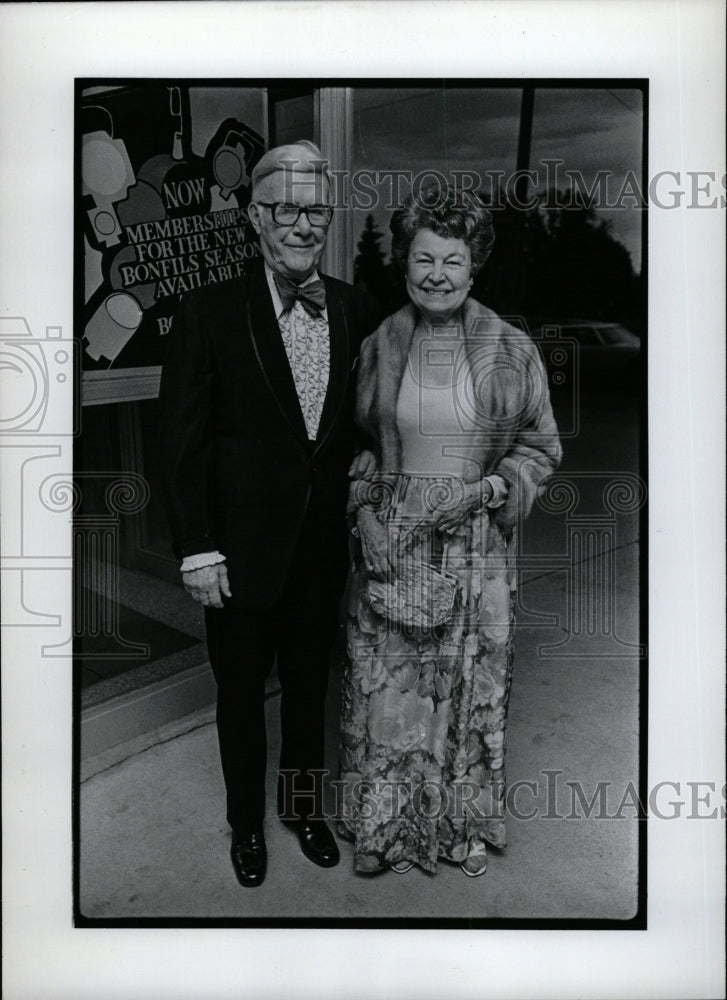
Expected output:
(317, 842)
(249, 857)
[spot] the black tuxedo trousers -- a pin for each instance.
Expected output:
(297, 631)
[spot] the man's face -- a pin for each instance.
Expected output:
(291, 250)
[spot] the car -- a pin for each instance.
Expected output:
(592, 354)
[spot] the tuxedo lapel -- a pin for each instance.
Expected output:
(270, 351)
(339, 337)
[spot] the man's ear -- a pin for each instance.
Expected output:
(254, 215)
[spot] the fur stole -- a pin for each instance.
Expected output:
(516, 435)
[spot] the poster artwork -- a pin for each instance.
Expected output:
(159, 219)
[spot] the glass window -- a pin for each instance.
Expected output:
(594, 131)
(400, 135)
(567, 235)
(293, 118)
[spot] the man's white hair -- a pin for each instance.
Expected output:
(303, 156)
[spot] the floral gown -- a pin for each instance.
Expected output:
(424, 709)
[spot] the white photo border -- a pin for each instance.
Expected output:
(679, 47)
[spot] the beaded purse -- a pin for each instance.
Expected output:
(420, 596)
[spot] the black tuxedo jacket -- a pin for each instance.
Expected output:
(239, 472)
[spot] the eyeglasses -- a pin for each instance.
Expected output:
(286, 214)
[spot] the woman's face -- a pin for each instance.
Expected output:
(438, 274)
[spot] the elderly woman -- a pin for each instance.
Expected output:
(455, 407)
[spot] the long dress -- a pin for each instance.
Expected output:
(424, 710)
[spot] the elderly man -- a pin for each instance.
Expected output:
(257, 437)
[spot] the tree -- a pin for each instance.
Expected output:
(369, 269)
(557, 264)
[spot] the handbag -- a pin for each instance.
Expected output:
(420, 596)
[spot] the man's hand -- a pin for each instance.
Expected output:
(206, 585)
(448, 515)
(363, 465)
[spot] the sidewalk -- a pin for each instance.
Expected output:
(154, 842)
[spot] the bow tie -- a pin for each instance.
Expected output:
(311, 296)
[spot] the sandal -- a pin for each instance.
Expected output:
(476, 862)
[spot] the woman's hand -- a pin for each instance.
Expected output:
(363, 465)
(450, 513)
(375, 545)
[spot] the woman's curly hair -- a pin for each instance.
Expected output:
(448, 213)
